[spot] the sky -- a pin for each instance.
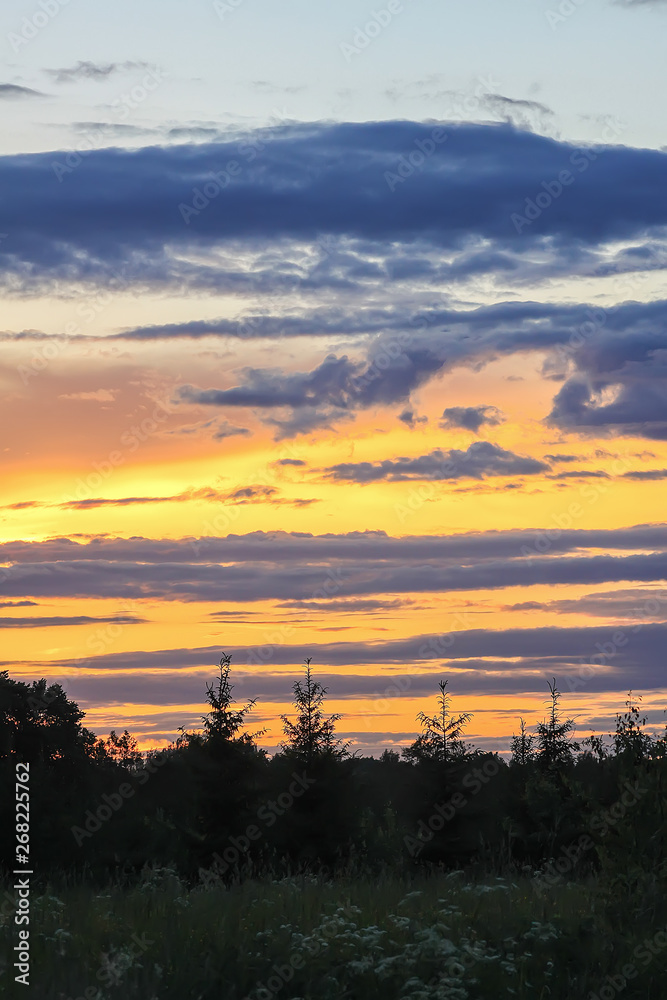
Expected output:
(335, 331)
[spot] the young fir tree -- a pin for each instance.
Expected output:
(222, 722)
(555, 748)
(312, 736)
(441, 736)
(522, 746)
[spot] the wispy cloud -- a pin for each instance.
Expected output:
(55, 621)
(242, 495)
(11, 91)
(86, 70)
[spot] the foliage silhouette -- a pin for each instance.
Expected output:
(312, 806)
(441, 737)
(630, 737)
(312, 736)
(555, 749)
(522, 746)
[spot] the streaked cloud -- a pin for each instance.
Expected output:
(285, 567)
(87, 70)
(481, 459)
(12, 91)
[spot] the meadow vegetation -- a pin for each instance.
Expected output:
(211, 870)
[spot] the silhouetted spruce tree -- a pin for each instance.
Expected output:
(523, 746)
(555, 748)
(224, 769)
(312, 736)
(222, 722)
(441, 738)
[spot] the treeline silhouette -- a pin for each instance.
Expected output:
(214, 806)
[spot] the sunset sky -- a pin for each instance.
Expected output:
(335, 330)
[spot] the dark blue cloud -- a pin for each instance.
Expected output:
(648, 475)
(410, 419)
(480, 460)
(589, 348)
(623, 346)
(285, 548)
(503, 328)
(486, 661)
(195, 581)
(128, 209)
(471, 418)
(638, 604)
(639, 409)
(334, 390)
(582, 474)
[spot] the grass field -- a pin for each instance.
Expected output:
(437, 936)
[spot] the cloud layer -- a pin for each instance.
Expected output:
(284, 566)
(136, 212)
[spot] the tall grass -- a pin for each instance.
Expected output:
(442, 935)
